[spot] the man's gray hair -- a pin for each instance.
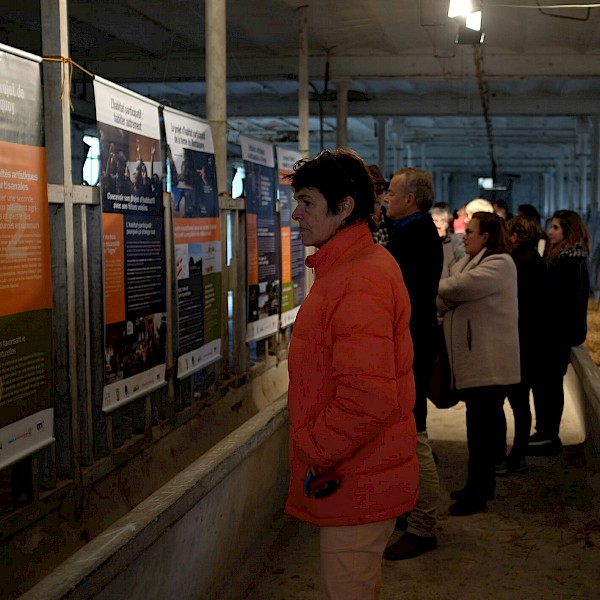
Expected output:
(419, 183)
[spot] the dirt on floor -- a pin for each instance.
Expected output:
(539, 539)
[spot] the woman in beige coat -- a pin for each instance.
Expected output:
(478, 302)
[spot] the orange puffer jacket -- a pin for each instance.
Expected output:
(351, 391)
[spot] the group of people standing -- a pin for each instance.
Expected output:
(364, 343)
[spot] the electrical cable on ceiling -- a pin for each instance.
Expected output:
(552, 6)
(484, 96)
(544, 8)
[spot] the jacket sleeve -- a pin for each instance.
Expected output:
(481, 281)
(363, 390)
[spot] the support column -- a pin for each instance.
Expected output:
(572, 183)
(303, 104)
(446, 189)
(595, 165)
(546, 203)
(216, 114)
(583, 188)
(402, 151)
(55, 42)
(409, 155)
(216, 85)
(397, 145)
(583, 132)
(437, 185)
(342, 86)
(381, 143)
(559, 196)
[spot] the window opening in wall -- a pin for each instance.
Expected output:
(229, 244)
(91, 166)
(168, 172)
(230, 324)
(487, 183)
(237, 184)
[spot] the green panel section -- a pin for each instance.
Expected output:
(287, 297)
(25, 364)
(212, 307)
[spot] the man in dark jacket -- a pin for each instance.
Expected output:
(416, 246)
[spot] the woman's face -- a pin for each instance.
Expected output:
(555, 233)
(315, 223)
(474, 241)
(441, 224)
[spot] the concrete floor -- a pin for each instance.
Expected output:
(539, 540)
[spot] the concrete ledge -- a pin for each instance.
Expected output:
(195, 518)
(588, 374)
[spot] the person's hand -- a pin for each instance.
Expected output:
(320, 484)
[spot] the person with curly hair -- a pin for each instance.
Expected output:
(569, 289)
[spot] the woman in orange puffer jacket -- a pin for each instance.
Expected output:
(351, 392)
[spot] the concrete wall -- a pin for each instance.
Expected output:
(187, 539)
(589, 377)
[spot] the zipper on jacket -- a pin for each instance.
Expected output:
(469, 337)
(451, 353)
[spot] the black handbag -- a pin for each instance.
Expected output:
(440, 386)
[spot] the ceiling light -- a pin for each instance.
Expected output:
(463, 8)
(474, 21)
(468, 15)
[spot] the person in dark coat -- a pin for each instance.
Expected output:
(569, 291)
(532, 284)
(417, 247)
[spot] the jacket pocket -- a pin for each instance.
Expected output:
(469, 337)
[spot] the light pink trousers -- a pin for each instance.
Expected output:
(351, 560)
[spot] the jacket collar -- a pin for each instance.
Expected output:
(345, 244)
(405, 221)
(466, 263)
(577, 251)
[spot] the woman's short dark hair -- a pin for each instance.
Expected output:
(495, 227)
(337, 174)
(530, 211)
(527, 230)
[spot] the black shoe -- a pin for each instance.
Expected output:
(467, 506)
(458, 494)
(401, 523)
(538, 439)
(540, 445)
(501, 469)
(465, 493)
(517, 466)
(410, 546)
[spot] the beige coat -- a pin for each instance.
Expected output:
(478, 302)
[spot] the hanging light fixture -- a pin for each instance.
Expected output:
(468, 15)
